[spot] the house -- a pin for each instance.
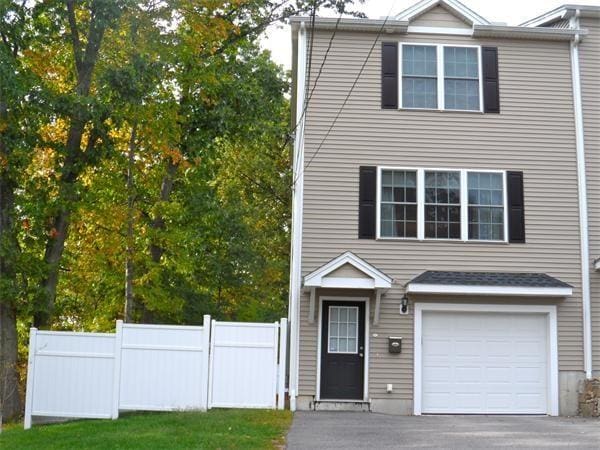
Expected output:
(439, 192)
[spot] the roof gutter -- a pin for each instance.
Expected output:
(350, 24)
(583, 203)
(503, 31)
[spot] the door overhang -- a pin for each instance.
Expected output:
(347, 271)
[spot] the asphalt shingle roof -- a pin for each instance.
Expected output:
(540, 280)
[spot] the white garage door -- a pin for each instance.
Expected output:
(484, 363)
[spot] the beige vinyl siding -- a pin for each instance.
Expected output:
(439, 17)
(590, 91)
(534, 133)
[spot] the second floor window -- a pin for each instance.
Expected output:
(442, 205)
(398, 203)
(467, 205)
(486, 206)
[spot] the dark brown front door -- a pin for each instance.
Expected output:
(342, 350)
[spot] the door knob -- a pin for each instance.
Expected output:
(360, 354)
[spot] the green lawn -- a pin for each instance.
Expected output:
(218, 428)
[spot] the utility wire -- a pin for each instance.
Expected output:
(337, 116)
(310, 94)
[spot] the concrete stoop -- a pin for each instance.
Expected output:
(332, 405)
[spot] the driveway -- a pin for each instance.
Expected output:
(328, 430)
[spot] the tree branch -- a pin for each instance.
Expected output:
(76, 42)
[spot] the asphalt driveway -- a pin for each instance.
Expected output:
(355, 430)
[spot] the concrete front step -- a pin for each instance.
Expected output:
(342, 405)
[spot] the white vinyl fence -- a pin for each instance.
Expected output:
(155, 368)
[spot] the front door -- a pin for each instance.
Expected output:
(342, 350)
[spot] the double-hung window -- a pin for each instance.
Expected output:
(398, 212)
(486, 206)
(436, 76)
(419, 76)
(442, 204)
(461, 78)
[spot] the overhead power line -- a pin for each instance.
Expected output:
(337, 116)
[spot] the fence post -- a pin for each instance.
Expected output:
(206, 329)
(30, 372)
(282, 363)
(117, 370)
(213, 324)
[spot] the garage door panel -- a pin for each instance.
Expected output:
(484, 362)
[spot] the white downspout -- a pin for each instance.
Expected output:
(297, 207)
(583, 203)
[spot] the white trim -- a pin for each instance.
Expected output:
(117, 369)
(282, 363)
(583, 205)
(320, 343)
(318, 278)
(297, 212)
(441, 76)
(418, 288)
(550, 310)
(30, 375)
(440, 30)
(453, 5)
(464, 205)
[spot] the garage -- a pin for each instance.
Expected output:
(485, 359)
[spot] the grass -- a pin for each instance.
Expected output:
(215, 429)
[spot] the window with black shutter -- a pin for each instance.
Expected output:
(516, 208)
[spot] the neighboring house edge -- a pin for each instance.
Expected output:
(351, 285)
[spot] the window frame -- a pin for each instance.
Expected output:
(440, 77)
(464, 204)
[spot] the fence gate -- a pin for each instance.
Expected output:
(244, 364)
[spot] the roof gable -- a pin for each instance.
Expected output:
(453, 7)
(439, 17)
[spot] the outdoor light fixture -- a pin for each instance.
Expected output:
(404, 305)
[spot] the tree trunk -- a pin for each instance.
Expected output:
(75, 161)
(10, 405)
(129, 297)
(10, 402)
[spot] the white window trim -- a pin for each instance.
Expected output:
(367, 302)
(356, 338)
(440, 77)
(464, 204)
(549, 310)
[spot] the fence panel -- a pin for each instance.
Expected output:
(164, 367)
(243, 365)
(70, 375)
(155, 368)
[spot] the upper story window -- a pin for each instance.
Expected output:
(398, 203)
(486, 206)
(435, 76)
(442, 204)
(461, 78)
(419, 76)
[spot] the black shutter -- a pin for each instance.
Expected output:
(516, 208)
(491, 89)
(366, 202)
(389, 75)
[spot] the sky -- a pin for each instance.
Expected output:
(512, 12)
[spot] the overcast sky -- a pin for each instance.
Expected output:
(513, 12)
